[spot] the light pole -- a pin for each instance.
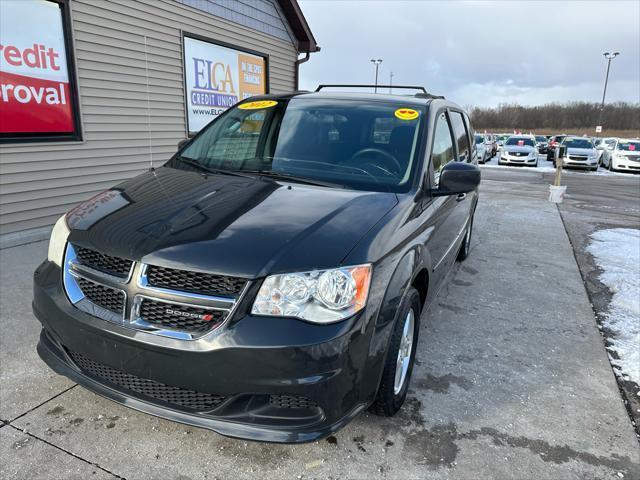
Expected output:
(377, 63)
(390, 81)
(609, 57)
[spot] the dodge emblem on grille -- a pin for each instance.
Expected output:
(207, 317)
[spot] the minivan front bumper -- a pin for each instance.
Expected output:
(262, 378)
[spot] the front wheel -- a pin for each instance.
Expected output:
(398, 366)
(611, 165)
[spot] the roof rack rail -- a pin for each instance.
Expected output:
(429, 96)
(408, 87)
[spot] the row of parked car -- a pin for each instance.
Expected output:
(615, 154)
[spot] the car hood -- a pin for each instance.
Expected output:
(524, 148)
(582, 151)
(241, 226)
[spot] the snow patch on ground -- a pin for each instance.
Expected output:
(617, 252)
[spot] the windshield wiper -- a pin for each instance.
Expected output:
(294, 178)
(204, 168)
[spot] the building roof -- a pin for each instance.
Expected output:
(299, 26)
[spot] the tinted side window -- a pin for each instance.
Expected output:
(442, 152)
(472, 133)
(462, 139)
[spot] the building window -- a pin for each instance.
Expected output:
(38, 96)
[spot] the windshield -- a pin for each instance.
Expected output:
(541, 138)
(520, 142)
(578, 143)
(366, 146)
(479, 139)
(629, 146)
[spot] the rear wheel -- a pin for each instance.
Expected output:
(398, 366)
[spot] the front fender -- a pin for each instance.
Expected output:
(405, 272)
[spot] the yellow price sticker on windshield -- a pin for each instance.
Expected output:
(406, 114)
(257, 104)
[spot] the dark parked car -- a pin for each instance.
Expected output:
(542, 144)
(554, 141)
(267, 281)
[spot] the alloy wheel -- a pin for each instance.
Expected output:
(404, 352)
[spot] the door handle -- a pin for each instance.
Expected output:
(461, 197)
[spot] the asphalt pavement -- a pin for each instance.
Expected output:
(512, 381)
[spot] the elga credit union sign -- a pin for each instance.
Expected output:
(35, 93)
(216, 78)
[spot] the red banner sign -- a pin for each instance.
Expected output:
(34, 78)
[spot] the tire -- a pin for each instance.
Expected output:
(391, 393)
(463, 253)
(610, 166)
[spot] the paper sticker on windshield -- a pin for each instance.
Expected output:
(520, 143)
(406, 114)
(257, 104)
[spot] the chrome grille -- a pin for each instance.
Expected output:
(195, 282)
(179, 317)
(105, 297)
(118, 267)
(176, 396)
(172, 307)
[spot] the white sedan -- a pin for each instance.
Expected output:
(624, 156)
(519, 150)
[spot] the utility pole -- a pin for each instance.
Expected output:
(390, 81)
(609, 57)
(377, 63)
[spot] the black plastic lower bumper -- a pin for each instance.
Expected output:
(58, 360)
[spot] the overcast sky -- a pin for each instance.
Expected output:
(480, 52)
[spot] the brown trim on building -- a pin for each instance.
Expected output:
(299, 26)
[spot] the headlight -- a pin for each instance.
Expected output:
(58, 240)
(321, 296)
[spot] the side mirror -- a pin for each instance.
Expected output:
(457, 178)
(182, 142)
